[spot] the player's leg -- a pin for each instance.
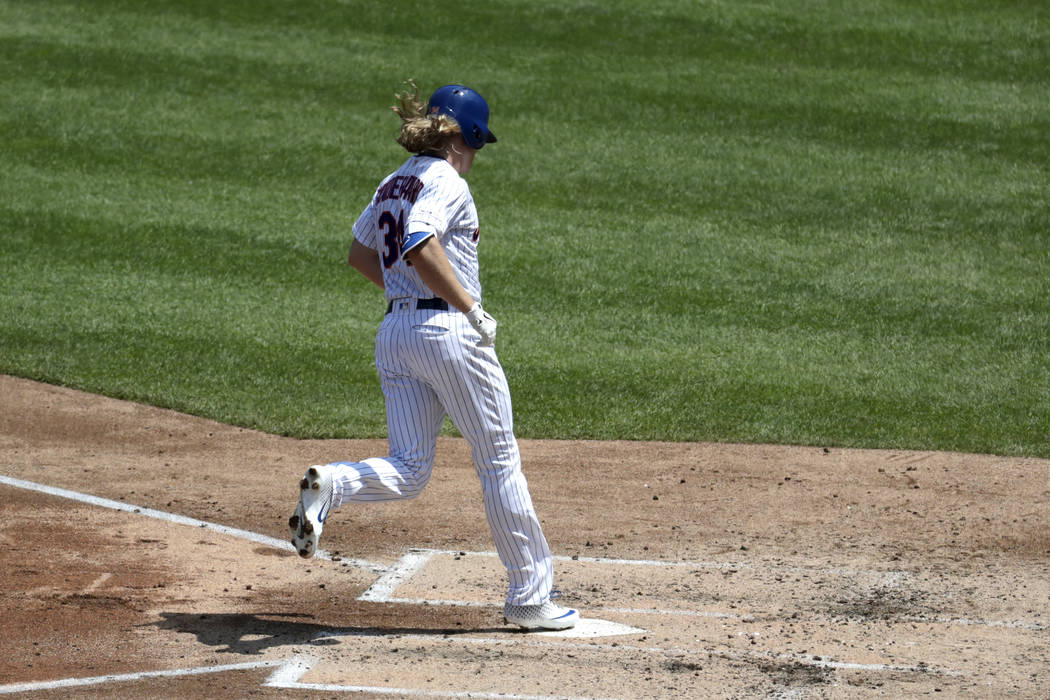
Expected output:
(474, 392)
(487, 424)
(414, 417)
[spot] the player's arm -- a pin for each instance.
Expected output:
(366, 261)
(429, 260)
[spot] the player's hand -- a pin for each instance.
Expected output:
(483, 323)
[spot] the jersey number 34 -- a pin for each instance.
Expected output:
(393, 234)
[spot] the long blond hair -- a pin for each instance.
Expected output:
(422, 132)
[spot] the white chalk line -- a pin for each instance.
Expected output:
(130, 677)
(96, 584)
(892, 576)
(382, 591)
(533, 640)
(1007, 624)
(415, 693)
(412, 562)
(287, 678)
(379, 591)
(288, 675)
(290, 671)
(401, 571)
(621, 611)
(393, 576)
(710, 614)
(180, 520)
(87, 590)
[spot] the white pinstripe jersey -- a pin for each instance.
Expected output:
(425, 196)
(430, 364)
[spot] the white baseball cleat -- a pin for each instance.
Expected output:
(315, 503)
(548, 616)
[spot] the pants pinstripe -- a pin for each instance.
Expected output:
(429, 364)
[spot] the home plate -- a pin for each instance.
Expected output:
(591, 628)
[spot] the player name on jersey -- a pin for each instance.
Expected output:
(400, 187)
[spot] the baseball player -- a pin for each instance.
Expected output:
(417, 240)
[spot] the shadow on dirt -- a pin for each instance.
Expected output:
(248, 633)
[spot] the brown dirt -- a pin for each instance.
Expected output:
(750, 570)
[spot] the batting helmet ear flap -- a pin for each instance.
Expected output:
(468, 108)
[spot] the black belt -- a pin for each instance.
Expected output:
(433, 304)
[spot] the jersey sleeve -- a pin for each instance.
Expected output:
(365, 228)
(414, 240)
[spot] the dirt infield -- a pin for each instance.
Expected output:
(143, 556)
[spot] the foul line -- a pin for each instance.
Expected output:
(289, 671)
(393, 576)
(125, 677)
(180, 520)
(1007, 624)
(619, 611)
(288, 675)
(802, 659)
(892, 574)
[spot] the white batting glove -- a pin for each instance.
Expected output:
(483, 323)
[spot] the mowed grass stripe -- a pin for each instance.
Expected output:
(796, 223)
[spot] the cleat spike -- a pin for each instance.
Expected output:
(315, 502)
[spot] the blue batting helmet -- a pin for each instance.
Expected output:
(468, 108)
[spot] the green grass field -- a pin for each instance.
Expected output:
(797, 222)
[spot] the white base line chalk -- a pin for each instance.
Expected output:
(178, 519)
(533, 639)
(128, 677)
(889, 577)
(287, 677)
(401, 571)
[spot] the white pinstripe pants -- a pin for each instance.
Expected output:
(430, 364)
